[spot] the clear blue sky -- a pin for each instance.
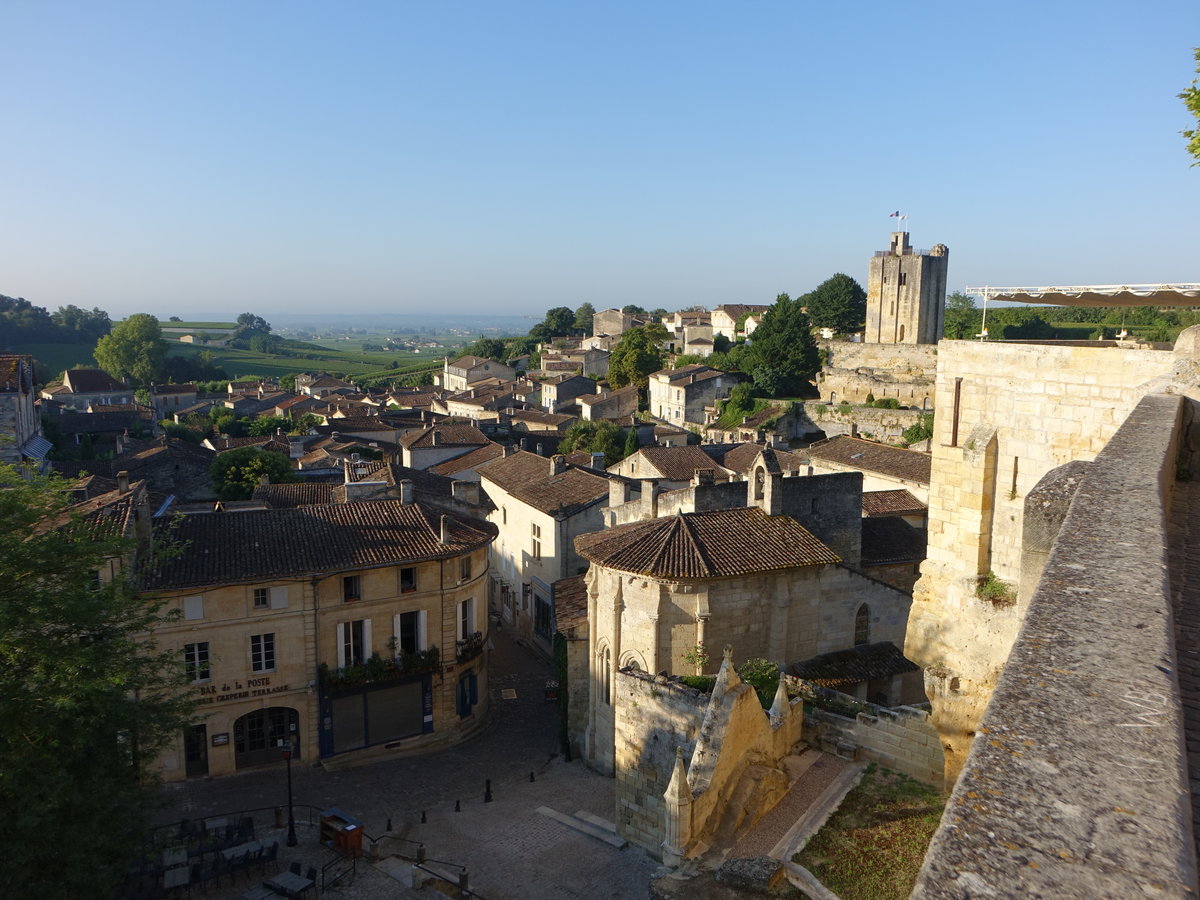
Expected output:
(510, 156)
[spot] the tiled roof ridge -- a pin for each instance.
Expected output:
(696, 544)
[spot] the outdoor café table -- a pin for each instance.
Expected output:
(232, 853)
(174, 856)
(289, 883)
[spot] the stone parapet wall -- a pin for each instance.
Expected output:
(1076, 783)
(900, 738)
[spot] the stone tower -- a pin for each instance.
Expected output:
(906, 294)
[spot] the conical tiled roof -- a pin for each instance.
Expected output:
(706, 545)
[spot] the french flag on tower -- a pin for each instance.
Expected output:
(896, 215)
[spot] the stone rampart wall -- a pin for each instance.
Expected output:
(902, 371)
(1023, 409)
(1076, 784)
(885, 425)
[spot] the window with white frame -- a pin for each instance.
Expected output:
(262, 598)
(262, 652)
(466, 618)
(409, 629)
(537, 541)
(353, 642)
(195, 662)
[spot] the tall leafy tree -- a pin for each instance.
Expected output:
(1191, 99)
(88, 325)
(839, 302)
(962, 318)
(636, 355)
(86, 697)
(560, 321)
(236, 473)
(487, 348)
(134, 349)
(783, 358)
(251, 322)
(595, 436)
(583, 318)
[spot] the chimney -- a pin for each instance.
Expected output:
(445, 534)
(618, 493)
(435, 438)
(278, 432)
(265, 480)
(227, 441)
(295, 446)
(853, 429)
(523, 446)
(558, 462)
(598, 461)
(406, 491)
(123, 481)
(541, 451)
(702, 476)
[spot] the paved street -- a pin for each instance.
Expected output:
(511, 851)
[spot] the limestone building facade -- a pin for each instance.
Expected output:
(906, 293)
(341, 626)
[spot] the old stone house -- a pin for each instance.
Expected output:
(459, 374)
(424, 448)
(681, 396)
(726, 316)
(609, 404)
(81, 387)
(21, 440)
(883, 467)
(561, 391)
(341, 626)
(541, 506)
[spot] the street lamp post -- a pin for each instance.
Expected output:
(287, 754)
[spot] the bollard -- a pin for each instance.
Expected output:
(423, 819)
(457, 806)
(420, 853)
(389, 824)
(531, 778)
(487, 791)
(462, 880)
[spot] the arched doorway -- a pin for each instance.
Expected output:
(257, 735)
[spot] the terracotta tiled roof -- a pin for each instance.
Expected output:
(706, 545)
(743, 457)
(570, 602)
(356, 423)
(468, 460)
(736, 310)
(681, 463)
(865, 662)
(869, 456)
(235, 548)
(541, 418)
(96, 423)
(892, 503)
(93, 381)
(589, 399)
(160, 390)
(697, 370)
(448, 436)
(111, 514)
(290, 496)
(891, 540)
(528, 478)
(12, 368)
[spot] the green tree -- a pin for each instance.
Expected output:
(632, 309)
(783, 358)
(134, 349)
(86, 697)
(236, 473)
(636, 355)
(595, 436)
(1191, 99)
(251, 322)
(962, 320)
(487, 348)
(560, 321)
(268, 425)
(583, 318)
(87, 326)
(632, 444)
(839, 302)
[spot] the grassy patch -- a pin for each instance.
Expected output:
(733, 418)
(872, 847)
(55, 358)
